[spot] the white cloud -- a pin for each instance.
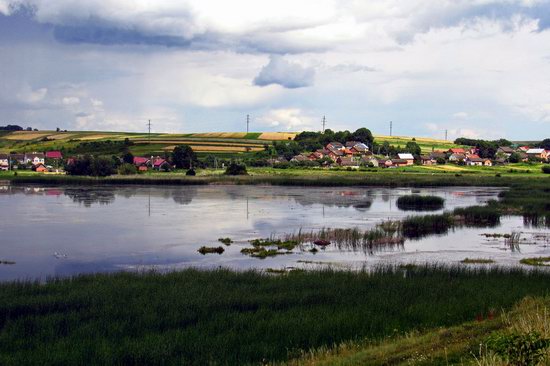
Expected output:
(289, 119)
(287, 74)
(70, 100)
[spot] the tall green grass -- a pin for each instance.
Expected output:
(416, 202)
(222, 317)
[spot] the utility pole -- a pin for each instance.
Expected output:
(247, 122)
(149, 125)
(445, 135)
(324, 123)
(391, 128)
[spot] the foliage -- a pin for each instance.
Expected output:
(128, 157)
(420, 203)
(546, 169)
(537, 261)
(11, 128)
(211, 250)
(127, 169)
(236, 169)
(183, 157)
(191, 172)
(92, 166)
(101, 147)
(519, 349)
(197, 317)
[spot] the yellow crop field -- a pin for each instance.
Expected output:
(206, 148)
(197, 143)
(225, 135)
(60, 136)
(97, 137)
(26, 135)
(279, 136)
(408, 138)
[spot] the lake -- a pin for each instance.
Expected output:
(62, 231)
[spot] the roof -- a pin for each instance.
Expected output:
(334, 145)
(4, 156)
(457, 150)
(426, 157)
(399, 161)
(405, 156)
(54, 155)
(535, 151)
(435, 155)
(159, 162)
(34, 155)
(360, 147)
(299, 157)
(346, 161)
(477, 160)
(473, 156)
(351, 144)
(506, 149)
(335, 151)
(139, 160)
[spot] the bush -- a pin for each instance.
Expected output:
(191, 172)
(89, 165)
(519, 349)
(546, 169)
(420, 203)
(127, 169)
(236, 169)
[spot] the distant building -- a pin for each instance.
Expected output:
(54, 155)
(427, 160)
(537, 153)
(4, 162)
(34, 158)
(409, 158)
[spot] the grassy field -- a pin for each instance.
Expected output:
(213, 142)
(227, 318)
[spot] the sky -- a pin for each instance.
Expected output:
(478, 68)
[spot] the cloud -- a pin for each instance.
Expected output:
(289, 119)
(287, 74)
(70, 100)
(460, 115)
(31, 96)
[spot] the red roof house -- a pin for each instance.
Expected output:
(457, 150)
(138, 160)
(54, 155)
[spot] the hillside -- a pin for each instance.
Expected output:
(156, 143)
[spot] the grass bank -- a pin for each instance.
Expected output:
(224, 317)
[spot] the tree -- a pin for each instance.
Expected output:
(363, 135)
(514, 157)
(127, 169)
(413, 148)
(183, 157)
(11, 128)
(128, 157)
(236, 169)
(545, 144)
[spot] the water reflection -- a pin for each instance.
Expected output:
(104, 228)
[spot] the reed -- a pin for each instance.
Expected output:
(221, 317)
(416, 202)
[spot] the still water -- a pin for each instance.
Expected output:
(61, 231)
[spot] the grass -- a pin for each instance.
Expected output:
(420, 203)
(477, 261)
(536, 261)
(226, 241)
(197, 317)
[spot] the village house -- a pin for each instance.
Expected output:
(457, 150)
(523, 149)
(400, 162)
(370, 161)
(427, 160)
(335, 146)
(523, 156)
(358, 148)
(385, 163)
(41, 168)
(4, 162)
(409, 158)
(455, 157)
(17, 159)
(160, 164)
(477, 161)
(54, 155)
(299, 158)
(315, 156)
(537, 154)
(334, 154)
(505, 151)
(438, 155)
(34, 158)
(347, 161)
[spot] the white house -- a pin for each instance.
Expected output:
(4, 161)
(537, 153)
(34, 158)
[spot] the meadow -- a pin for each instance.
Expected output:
(221, 317)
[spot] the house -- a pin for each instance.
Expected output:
(334, 154)
(347, 161)
(4, 162)
(400, 162)
(34, 158)
(315, 156)
(386, 163)
(299, 158)
(17, 158)
(335, 146)
(406, 156)
(141, 161)
(350, 144)
(358, 148)
(455, 158)
(41, 168)
(160, 164)
(523, 156)
(427, 160)
(54, 155)
(475, 161)
(457, 150)
(523, 149)
(537, 153)
(438, 155)
(370, 160)
(505, 150)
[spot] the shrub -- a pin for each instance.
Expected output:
(127, 169)
(420, 203)
(546, 169)
(236, 169)
(191, 172)
(519, 349)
